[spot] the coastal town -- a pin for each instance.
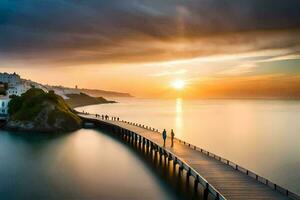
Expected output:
(13, 84)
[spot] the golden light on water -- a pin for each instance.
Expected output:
(178, 84)
(178, 118)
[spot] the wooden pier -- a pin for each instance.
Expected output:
(219, 177)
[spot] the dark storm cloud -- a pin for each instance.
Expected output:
(87, 31)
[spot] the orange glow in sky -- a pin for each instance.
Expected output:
(195, 49)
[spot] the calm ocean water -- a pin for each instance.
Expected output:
(260, 135)
(86, 164)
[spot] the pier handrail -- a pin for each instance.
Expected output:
(237, 167)
(211, 189)
(249, 173)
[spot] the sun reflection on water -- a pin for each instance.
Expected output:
(178, 118)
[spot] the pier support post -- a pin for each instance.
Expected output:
(205, 195)
(169, 158)
(131, 136)
(126, 135)
(135, 139)
(160, 155)
(174, 163)
(155, 154)
(196, 181)
(180, 169)
(188, 174)
(150, 148)
(140, 140)
(147, 146)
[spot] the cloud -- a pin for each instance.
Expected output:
(283, 58)
(73, 32)
(252, 86)
(240, 69)
(169, 73)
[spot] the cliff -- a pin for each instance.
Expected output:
(39, 111)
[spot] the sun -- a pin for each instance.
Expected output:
(178, 84)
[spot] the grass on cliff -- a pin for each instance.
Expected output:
(30, 104)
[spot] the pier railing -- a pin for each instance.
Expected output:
(201, 179)
(208, 188)
(249, 173)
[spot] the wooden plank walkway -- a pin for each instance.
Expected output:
(230, 182)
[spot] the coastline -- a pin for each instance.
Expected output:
(91, 104)
(79, 100)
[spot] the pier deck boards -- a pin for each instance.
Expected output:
(231, 183)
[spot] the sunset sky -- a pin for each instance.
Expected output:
(218, 48)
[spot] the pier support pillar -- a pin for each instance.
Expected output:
(196, 182)
(174, 163)
(180, 170)
(188, 174)
(205, 195)
(135, 139)
(160, 155)
(147, 146)
(140, 141)
(131, 138)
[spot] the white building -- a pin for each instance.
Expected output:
(4, 100)
(10, 79)
(18, 89)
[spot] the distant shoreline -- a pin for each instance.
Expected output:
(104, 93)
(79, 100)
(249, 98)
(262, 99)
(92, 104)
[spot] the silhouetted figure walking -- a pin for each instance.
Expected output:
(164, 135)
(172, 137)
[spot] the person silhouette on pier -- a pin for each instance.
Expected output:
(172, 137)
(164, 135)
